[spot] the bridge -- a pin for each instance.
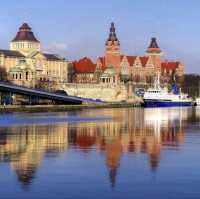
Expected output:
(40, 94)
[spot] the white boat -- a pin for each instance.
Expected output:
(197, 101)
(161, 97)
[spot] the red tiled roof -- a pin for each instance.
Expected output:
(144, 60)
(84, 65)
(102, 59)
(103, 62)
(25, 34)
(131, 59)
(169, 65)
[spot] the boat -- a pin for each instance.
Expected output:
(157, 96)
(197, 101)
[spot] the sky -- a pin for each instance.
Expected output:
(79, 28)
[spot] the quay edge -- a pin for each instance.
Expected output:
(59, 108)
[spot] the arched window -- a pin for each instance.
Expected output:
(26, 75)
(16, 76)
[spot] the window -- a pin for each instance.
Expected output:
(26, 75)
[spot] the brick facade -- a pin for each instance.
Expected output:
(138, 69)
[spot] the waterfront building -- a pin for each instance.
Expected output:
(25, 64)
(84, 71)
(138, 69)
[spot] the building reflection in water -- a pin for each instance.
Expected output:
(25, 147)
(132, 131)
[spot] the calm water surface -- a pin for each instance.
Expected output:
(108, 153)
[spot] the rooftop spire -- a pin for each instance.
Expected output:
(153, 47)
(112, 28)
(112, 35)
(153, 43)
(25, 34)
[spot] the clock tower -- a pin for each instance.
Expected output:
(112, 56)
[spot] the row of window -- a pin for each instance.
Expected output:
(154, 91)
(108, 80)
(18, 76)
(23, 45)
(52, 72)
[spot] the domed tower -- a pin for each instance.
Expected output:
(112, 56)
(25, 41)
(154, 51)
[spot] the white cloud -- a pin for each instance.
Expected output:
(57, 46)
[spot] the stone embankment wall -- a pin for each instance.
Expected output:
(106, 92)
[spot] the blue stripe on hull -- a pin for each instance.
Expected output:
(166, 104)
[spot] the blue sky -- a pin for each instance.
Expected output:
(80, 27)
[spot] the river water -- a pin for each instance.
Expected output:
(105, 153)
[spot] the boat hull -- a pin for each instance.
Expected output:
(156, 103)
